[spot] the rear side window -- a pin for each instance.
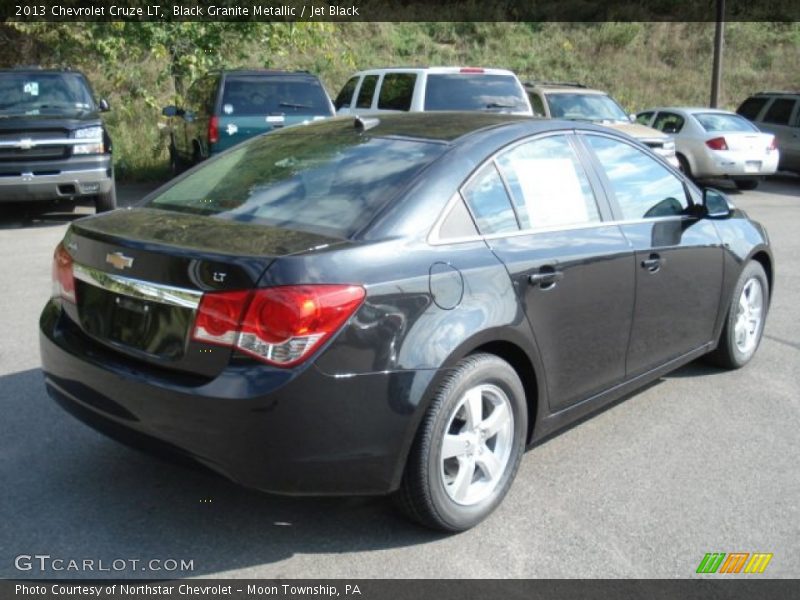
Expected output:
(366, 91)
(548, 184)
(396, 91)
(779, 111)
(325, 178)
(718, 122)
(275, 94)
(644, 118)
(489, 203)
(345, 96)
(750, 108)
(642, 186)
(668, 122)
(460, 91)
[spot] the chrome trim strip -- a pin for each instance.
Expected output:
(48, 142)
(82, 176)
(136, 288)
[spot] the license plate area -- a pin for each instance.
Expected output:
(752, 166)
(156, 329)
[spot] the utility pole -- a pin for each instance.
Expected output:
(719, 40)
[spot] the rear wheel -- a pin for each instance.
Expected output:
(175, 162)
(684, 166)
(746, 184)
(468, 448)
(107, 200)
(744, 323)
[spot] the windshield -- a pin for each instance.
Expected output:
(251, 96)
(458, 91)
(39, 93)
(724, 122)
(585, 107)
(325, 178)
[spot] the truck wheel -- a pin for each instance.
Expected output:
(106, 201)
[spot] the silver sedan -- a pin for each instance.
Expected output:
(716, 143)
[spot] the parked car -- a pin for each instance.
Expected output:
(53, 144)
(716, 143)
(413, 89)
(777, 113)
(577, 102)
(226, 107)
(399, 304)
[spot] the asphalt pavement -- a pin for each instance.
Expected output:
(701, 461)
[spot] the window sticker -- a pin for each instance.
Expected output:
(552, 191)
(31, 87)
(227, 109)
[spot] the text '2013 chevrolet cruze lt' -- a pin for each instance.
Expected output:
(398, 305)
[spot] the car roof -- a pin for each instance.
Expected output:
(565, 87)
(450, 127)
(263, 72)
(437, 70)
(688, 110)
(35, 69)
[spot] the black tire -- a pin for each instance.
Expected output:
(175, 163)
(746, 184)
(684, 166)
(728, 353)
(106, 201)
(423, 495)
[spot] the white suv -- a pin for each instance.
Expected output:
(415, 89)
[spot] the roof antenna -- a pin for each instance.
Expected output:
(364, 124)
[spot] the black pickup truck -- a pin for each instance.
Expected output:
(53, 145)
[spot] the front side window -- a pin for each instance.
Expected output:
(642, 186)
(536, 104)
(644, 118)
(366, 91)
(668, 122)
(750, 108)
(489, 203)
(396, 91)
(326, 178)
(548, 184)
(346, 94)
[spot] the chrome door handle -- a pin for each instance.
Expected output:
(653, 263)
(545, 278)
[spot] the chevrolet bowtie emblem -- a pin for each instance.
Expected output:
(26, 144)
(119, 261)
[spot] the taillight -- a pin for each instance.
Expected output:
(717, 144)
(63, 279)
(471, 70)
(280, 325)
(213, 130)
(773, 144)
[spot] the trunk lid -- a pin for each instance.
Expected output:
(140, 274)
(754, 144)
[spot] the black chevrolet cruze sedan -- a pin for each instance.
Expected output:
(397, 305)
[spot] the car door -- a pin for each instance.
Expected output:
(573, 272)
(344, 98)
(679, 257)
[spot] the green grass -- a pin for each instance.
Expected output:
(641, 64)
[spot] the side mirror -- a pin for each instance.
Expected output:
(170, 111)
(103, 105)
(632, 117)
(715, 204)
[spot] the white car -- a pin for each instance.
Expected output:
(418, 89)
(716, 143)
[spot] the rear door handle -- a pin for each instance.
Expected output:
(546, 278)
(652, 263)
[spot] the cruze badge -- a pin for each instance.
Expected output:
(119, 261)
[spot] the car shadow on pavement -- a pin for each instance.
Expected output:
(26, 217)
(72, 493)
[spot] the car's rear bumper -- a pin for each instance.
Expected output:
(49, 180)
(293, 432)
(737, 164)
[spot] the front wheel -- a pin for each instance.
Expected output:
(744, 324)
(107, 200)
(746, 184)
(468, 448)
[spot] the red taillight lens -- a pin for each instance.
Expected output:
(213, 130)
(218, 317)
(281, 325)
(717, 144)
(773, 145)
(63, 279)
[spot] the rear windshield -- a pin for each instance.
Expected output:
(44, 93)
(273, 95)
(324, 178)
(459, 91)
(585, 107)
(722, 122)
